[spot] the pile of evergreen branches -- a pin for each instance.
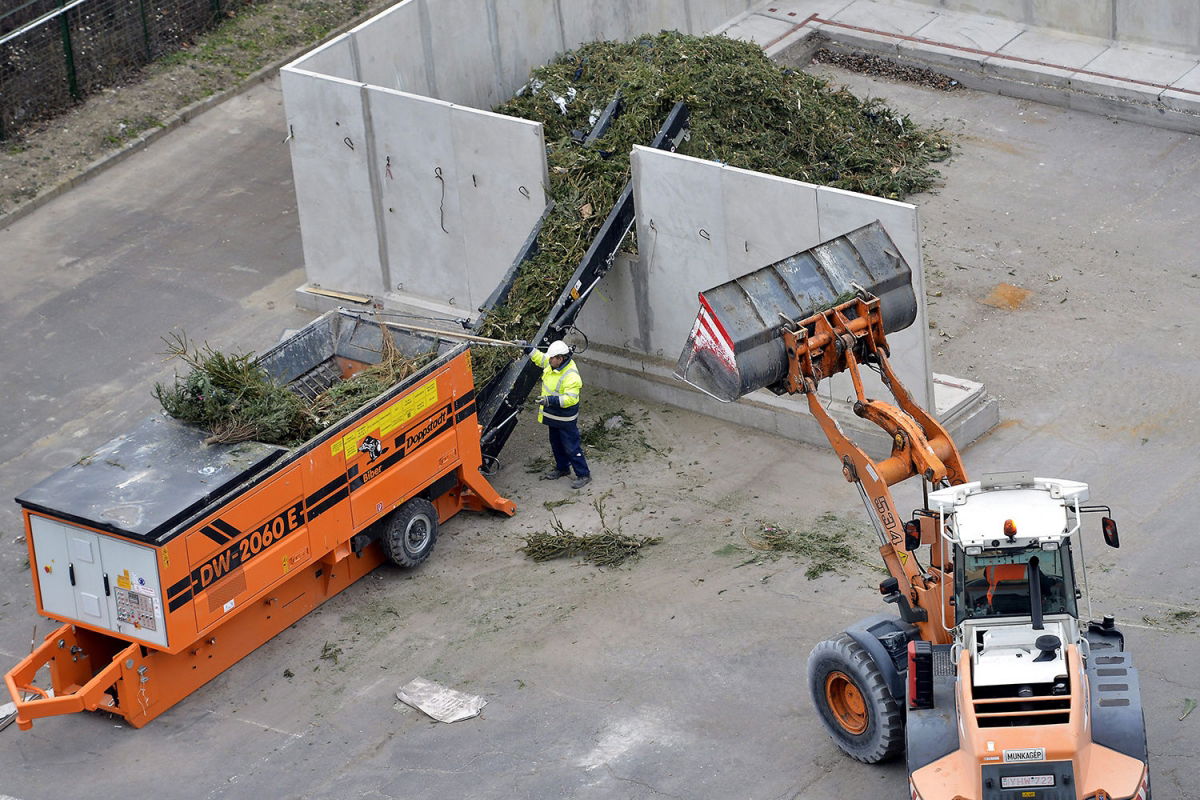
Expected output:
(745, 111)
(235, 400)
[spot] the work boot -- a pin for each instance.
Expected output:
(579, 483)
(554, 473)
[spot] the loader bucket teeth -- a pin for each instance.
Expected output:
(735, 348)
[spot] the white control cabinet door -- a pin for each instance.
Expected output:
(53, 566)
(136, 599)
(89, 580)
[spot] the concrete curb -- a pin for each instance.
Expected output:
(789, 37)
(176, 120)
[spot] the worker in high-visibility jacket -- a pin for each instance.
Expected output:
(559, 412)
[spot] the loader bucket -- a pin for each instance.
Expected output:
(735, 346)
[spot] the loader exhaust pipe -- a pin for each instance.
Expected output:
(735, 346)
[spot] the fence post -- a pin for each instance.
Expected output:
(68, 52)
(145, 31)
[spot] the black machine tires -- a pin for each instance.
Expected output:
(854, 702)
(411, 533)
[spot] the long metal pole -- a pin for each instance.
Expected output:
(68, 50)
(145, 31)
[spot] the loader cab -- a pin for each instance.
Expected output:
(995, 581)
(1012, 536)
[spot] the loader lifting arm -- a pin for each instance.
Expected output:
(838, 340)
(831, 324)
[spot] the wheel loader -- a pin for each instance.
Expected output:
(986, 678)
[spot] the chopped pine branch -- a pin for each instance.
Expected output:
(607, 548)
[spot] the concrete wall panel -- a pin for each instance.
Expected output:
(694, 218)
(464, 65)
(765, 218)
(1083, 17)
(422, 224)
(333, 189)
(528, 33)
(335, 58)
(500, 165)
(840, 212)
(706, 16)
(391, 53)
(682, 249)
(589, 22)
(1169, 24)
(1015, 10)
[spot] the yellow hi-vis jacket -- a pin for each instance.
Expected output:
(561, 389)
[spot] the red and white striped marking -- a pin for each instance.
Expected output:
(708, 334)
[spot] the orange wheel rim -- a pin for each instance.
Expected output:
(846, 702)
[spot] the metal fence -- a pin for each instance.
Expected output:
(53, 53)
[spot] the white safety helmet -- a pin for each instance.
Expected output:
(558, 348)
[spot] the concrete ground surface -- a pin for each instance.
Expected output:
(682, 674)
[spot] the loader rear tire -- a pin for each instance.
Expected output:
(854, 702)
(411, 533)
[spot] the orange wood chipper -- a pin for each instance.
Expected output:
(168, 559)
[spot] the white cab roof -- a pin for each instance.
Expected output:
(1036, 505)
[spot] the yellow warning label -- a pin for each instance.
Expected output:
(387, 421)
(123, 580)
(903, 557)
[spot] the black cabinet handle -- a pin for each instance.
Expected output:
(71, 573)
(107, 593)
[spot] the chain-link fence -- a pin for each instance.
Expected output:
(54, 52)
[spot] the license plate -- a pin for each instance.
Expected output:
(1025, 781)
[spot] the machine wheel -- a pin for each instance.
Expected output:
(411, 533)
(854, 701)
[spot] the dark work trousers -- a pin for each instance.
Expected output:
(568, 450)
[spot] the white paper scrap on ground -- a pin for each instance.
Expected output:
(444, 705)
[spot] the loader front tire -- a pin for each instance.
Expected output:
(411, 533)
(854, 702)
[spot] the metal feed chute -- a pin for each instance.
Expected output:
(735, 346)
